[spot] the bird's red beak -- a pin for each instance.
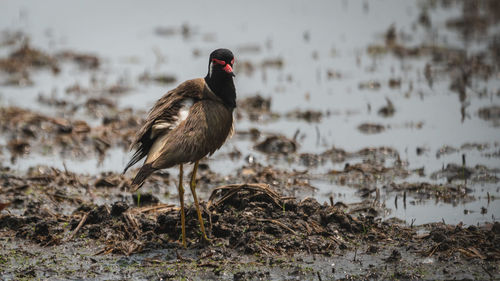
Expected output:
(228, 69)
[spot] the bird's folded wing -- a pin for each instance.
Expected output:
(168, 112)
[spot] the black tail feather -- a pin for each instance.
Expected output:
(141, 176)
(138, 155)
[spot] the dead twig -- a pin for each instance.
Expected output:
(434, 249)
(486, 270)
(306, 226)
(278, 223)
(105, 251)
(154, 209)
(132, 223)
(471, 253)
(80, 224)
(316, 226)
(227, 191)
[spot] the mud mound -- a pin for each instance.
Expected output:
(249, 219)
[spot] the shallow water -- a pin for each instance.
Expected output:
(310, 39)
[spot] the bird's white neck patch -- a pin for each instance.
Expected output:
(210, 70)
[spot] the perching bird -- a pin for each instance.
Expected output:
(187, 124)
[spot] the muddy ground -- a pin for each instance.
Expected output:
(55, 229)
(263, 224)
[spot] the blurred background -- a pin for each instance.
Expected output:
(349, 100)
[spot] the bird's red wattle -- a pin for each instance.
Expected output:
(228, 68)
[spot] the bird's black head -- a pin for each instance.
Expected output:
(221, 63)
(220, 76)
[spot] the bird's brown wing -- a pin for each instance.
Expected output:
(164, 116)
(201, 133)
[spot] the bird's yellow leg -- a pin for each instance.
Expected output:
(193, 191)
(181, 199)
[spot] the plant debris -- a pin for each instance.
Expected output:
(370, 128)
(146, 77)
(277, 144)
(26, 58)
(68, 137)
(388, 110)
(243, 219)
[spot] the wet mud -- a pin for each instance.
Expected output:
(253, 230)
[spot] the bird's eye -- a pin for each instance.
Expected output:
(221, 62)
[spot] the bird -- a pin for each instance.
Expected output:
(186, 124)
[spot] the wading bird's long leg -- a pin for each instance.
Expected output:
(181, 199)
(193, 191)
